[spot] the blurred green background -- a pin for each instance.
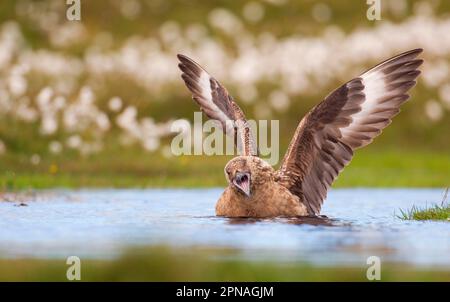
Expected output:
(205, 264)
(90, 102)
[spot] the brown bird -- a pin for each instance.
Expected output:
(347, 119)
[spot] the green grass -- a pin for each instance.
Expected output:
(434, 212)
(135, 168)
(202, 264)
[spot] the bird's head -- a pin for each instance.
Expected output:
(244, 173)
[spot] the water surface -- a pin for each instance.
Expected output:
(102, 223)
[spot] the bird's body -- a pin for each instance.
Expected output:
(323, 144)
(267, 198)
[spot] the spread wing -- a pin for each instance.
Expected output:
(347, 119)
(217, 104)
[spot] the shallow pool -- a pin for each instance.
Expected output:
(102, 223)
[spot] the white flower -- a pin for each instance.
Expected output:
(433, 110)
(67, 34)
(279, 100)
(102, 121)
(444, 94)
(196, 32)
(151, 144)
(225, 20)
(127, 117)
(49, 125)
(423, 8)
(436, 73)
(17, 85)
(59, 103)
(55, 147)
(74, 142)
(253, 11)
(170, 31)
(87, 96)
(398, 7)
(25, 112)
(35, 159)
(43, 98)
(51, 63)
(115, 104)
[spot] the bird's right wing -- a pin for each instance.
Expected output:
(347, 119)
(215, 101)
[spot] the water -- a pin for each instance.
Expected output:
(102, 223)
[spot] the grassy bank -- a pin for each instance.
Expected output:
(162, 264)
(134, 168)
(434, 212)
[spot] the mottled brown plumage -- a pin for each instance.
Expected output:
(323, 144)
(266, 197)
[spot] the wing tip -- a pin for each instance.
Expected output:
(415, 50)
(182, 57)
(412, 54)
(419, 62)
(189, 66)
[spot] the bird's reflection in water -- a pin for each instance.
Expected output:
(321, 220)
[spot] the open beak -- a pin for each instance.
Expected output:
(242, 181)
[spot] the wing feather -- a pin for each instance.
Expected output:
(347, 119)
(215, 101)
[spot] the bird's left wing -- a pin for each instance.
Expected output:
(215, 101)
(347, 119)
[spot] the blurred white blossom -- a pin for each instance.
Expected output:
(68, 34)
(74, 142)
(225, 20)
(24, 111)
(444, 93)
(35, 159)
(55, 147)
(433, 110)
(115, 104)
(398, 7)
(69, 97)
(17, 85)
(196, 32)
(279, 100)
(49, 124)
(253, 11)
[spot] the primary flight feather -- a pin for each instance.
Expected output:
(323, 144)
